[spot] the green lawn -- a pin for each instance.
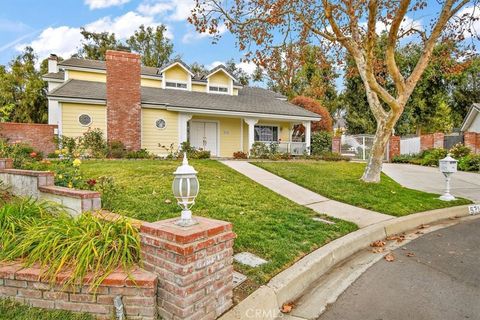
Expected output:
(267, 224)
(10, 310)
(341, 181)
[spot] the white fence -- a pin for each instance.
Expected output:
(410, 145)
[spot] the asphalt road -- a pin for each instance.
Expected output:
(441, 281)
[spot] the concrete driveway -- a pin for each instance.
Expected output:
(428, 179)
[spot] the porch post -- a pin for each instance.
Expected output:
(251, 132)
(183, 119)
(308, 134)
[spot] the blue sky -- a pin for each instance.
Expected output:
(53, 27)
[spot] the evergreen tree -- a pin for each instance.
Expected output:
(151, 43)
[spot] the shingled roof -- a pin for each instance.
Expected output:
(249, 99)
(100, 65)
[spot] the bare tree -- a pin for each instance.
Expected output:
(262, 26)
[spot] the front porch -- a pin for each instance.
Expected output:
(224, 135)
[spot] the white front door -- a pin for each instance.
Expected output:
(203, 135)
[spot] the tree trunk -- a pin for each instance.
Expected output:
(374, 167)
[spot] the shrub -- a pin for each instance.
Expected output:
(116, 150)
(139, 154)
(48, 236)
(192, 153)
(240, 155)
(21, 153)
(333, 156)
(94, 143)
(404, 158)
(470, 162)
(459, 151)
(259, 150)
(430, 157)
(321, 142)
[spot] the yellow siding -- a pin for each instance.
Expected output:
(152, 137)
(151, 83)
(235, 92)
(220, 78)
(70, 113)
(199, 87)
(176, 73)
(87, 76)
(229, 133)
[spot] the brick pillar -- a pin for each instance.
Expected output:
(426, 141)
(439, 140)
(336, 144)
(194, 267)
(393, 147)
(124, 98)
(6, 163)
(470, 139)
(477, 144)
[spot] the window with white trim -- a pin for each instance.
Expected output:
(175, 85)
(218, 89)
(266, 133)
(85, 119)
(160, 123)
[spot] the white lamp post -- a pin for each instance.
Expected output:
(447, 166)
(185, 189)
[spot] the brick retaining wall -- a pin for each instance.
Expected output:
(39, 136)
(138, 292)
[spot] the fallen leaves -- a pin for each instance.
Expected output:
(410, 254)
(287, 308)
(396, 237)
(390, 257)
(423, 226)
(378, 244)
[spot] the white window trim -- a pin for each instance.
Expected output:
(155, 124)
(177, 88)
(85, 125)
(218, 86)
(267, 125)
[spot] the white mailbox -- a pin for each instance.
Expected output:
(448, 165)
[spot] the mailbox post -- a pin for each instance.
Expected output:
(448, 166)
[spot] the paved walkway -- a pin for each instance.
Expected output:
(428, 179)
(305, 197)
(441, 281)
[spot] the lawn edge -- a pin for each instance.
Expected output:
(289, 284)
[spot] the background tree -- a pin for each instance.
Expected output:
(96, 44)
(22, 90)
(465, 90)
(351, 24)
(155, 49)
(310, 104)
(241, 75)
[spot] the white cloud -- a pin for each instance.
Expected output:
(125, 25)
(474, 26)
(174, 10)
(214, 64)
(248, 67)
(100, 4)
(63, 41)
(407, 23)
(192, 35)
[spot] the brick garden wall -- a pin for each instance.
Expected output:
(39, 136)
(138, 292)
(472, 140)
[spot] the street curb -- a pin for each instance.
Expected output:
(288, 285)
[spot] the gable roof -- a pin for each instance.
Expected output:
(224, 69)
(249, 100)
(472, 113)
(101, 65)
(177, 62)
(60, 75)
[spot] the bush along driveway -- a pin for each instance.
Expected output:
(267, 225)
(341, 181)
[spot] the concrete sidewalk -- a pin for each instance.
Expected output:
(428, 179)
(359, 216)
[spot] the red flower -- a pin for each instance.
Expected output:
(33, 154)
(91, 182)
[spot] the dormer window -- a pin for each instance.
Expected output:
(176, 85)
(218, 89)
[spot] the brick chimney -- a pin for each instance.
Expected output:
(123, 98)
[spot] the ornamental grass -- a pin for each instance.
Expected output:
(87, 247)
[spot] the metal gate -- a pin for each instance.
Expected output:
(452, 139)
(358, 147)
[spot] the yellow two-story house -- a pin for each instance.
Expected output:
(155, 108)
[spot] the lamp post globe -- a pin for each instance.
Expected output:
(185, 188)
(447, 166)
